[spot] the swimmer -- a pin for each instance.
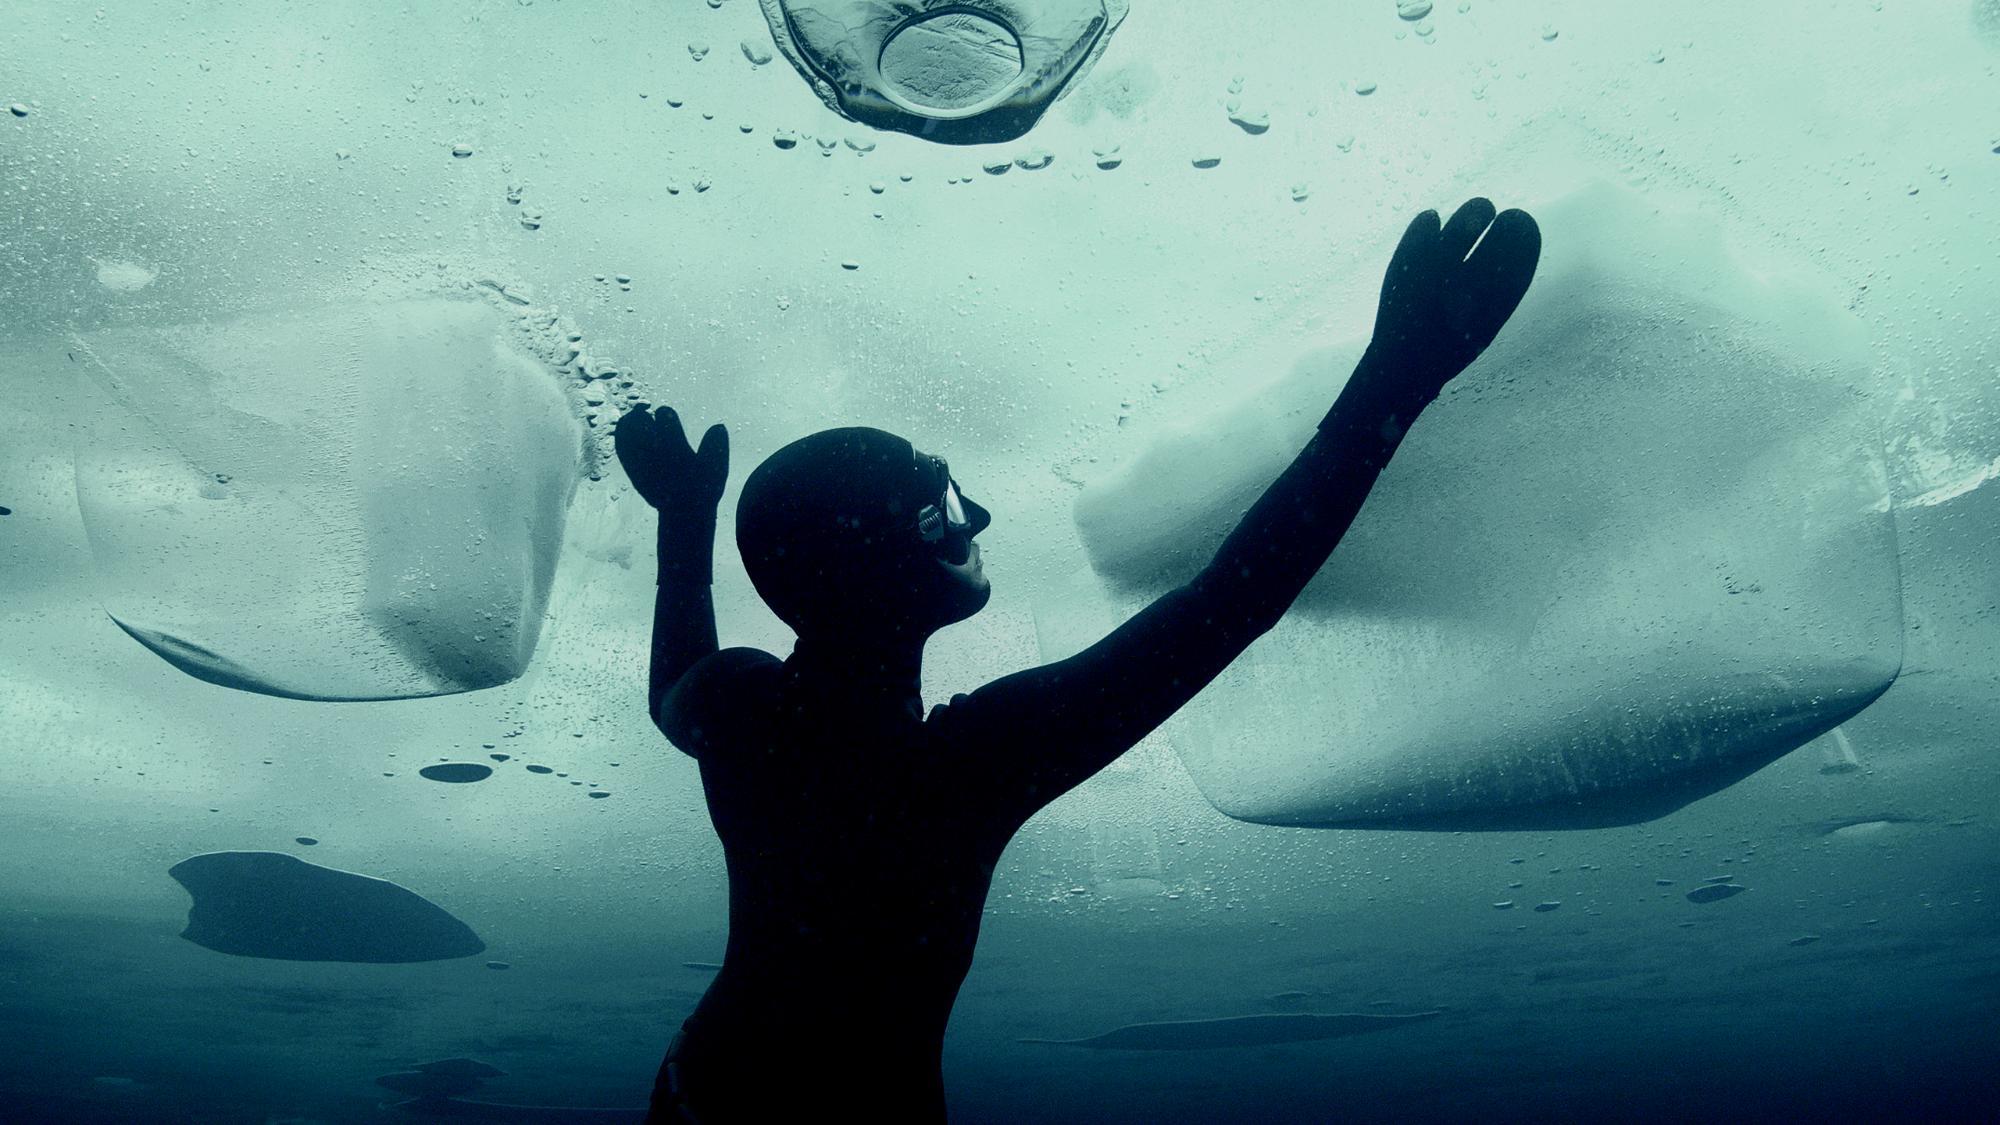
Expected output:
(861, 832)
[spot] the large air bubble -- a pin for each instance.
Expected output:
(951, 61)
(1643, 547)
(360, 502)
(962, 73)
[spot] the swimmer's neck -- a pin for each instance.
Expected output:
(888, 665)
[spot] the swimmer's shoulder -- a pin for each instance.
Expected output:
(716, 694)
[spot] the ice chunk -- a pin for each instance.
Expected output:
(1238, 1031)
(964, 73)
(1642, 548)
(358, 502)
(268, 904)
(425, 1084)
(461, 1068)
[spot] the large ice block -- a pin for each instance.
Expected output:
(1639, 550)
(358, 502)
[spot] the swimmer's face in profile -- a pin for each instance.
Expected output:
(852, 533)
(965, 589)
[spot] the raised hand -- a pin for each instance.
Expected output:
(664, 466)
(1443, 301)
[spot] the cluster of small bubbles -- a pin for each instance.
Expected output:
(757, 53)
(698, 51)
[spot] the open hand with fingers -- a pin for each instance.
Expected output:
(1443, 300)
(665, 467)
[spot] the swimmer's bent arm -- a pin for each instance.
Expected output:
(685, 486)
(1051, 727)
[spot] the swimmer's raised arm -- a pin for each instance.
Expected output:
(684, 485)
(1442, 304)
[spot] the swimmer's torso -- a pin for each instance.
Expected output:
(860, 841)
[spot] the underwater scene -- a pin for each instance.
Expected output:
(1001, 561)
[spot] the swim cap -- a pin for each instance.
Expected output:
(826, 511)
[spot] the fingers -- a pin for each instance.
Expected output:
(669, 422)
(1464, 229)
(632, 431)
(1417, 249)
(714, 454)
(1504, 265)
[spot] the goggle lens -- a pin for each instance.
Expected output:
(954, 508)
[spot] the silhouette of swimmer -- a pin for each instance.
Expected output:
(860, 833)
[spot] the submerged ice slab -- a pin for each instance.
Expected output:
(1639, 550)
(357, 502)
(268, 904)
(944, 70)
(1238, 1031)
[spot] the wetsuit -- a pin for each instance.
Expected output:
(861, 834)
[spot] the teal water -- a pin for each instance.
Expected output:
(317, 316)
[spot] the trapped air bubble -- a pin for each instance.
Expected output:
(351, 502)
(943, 70)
